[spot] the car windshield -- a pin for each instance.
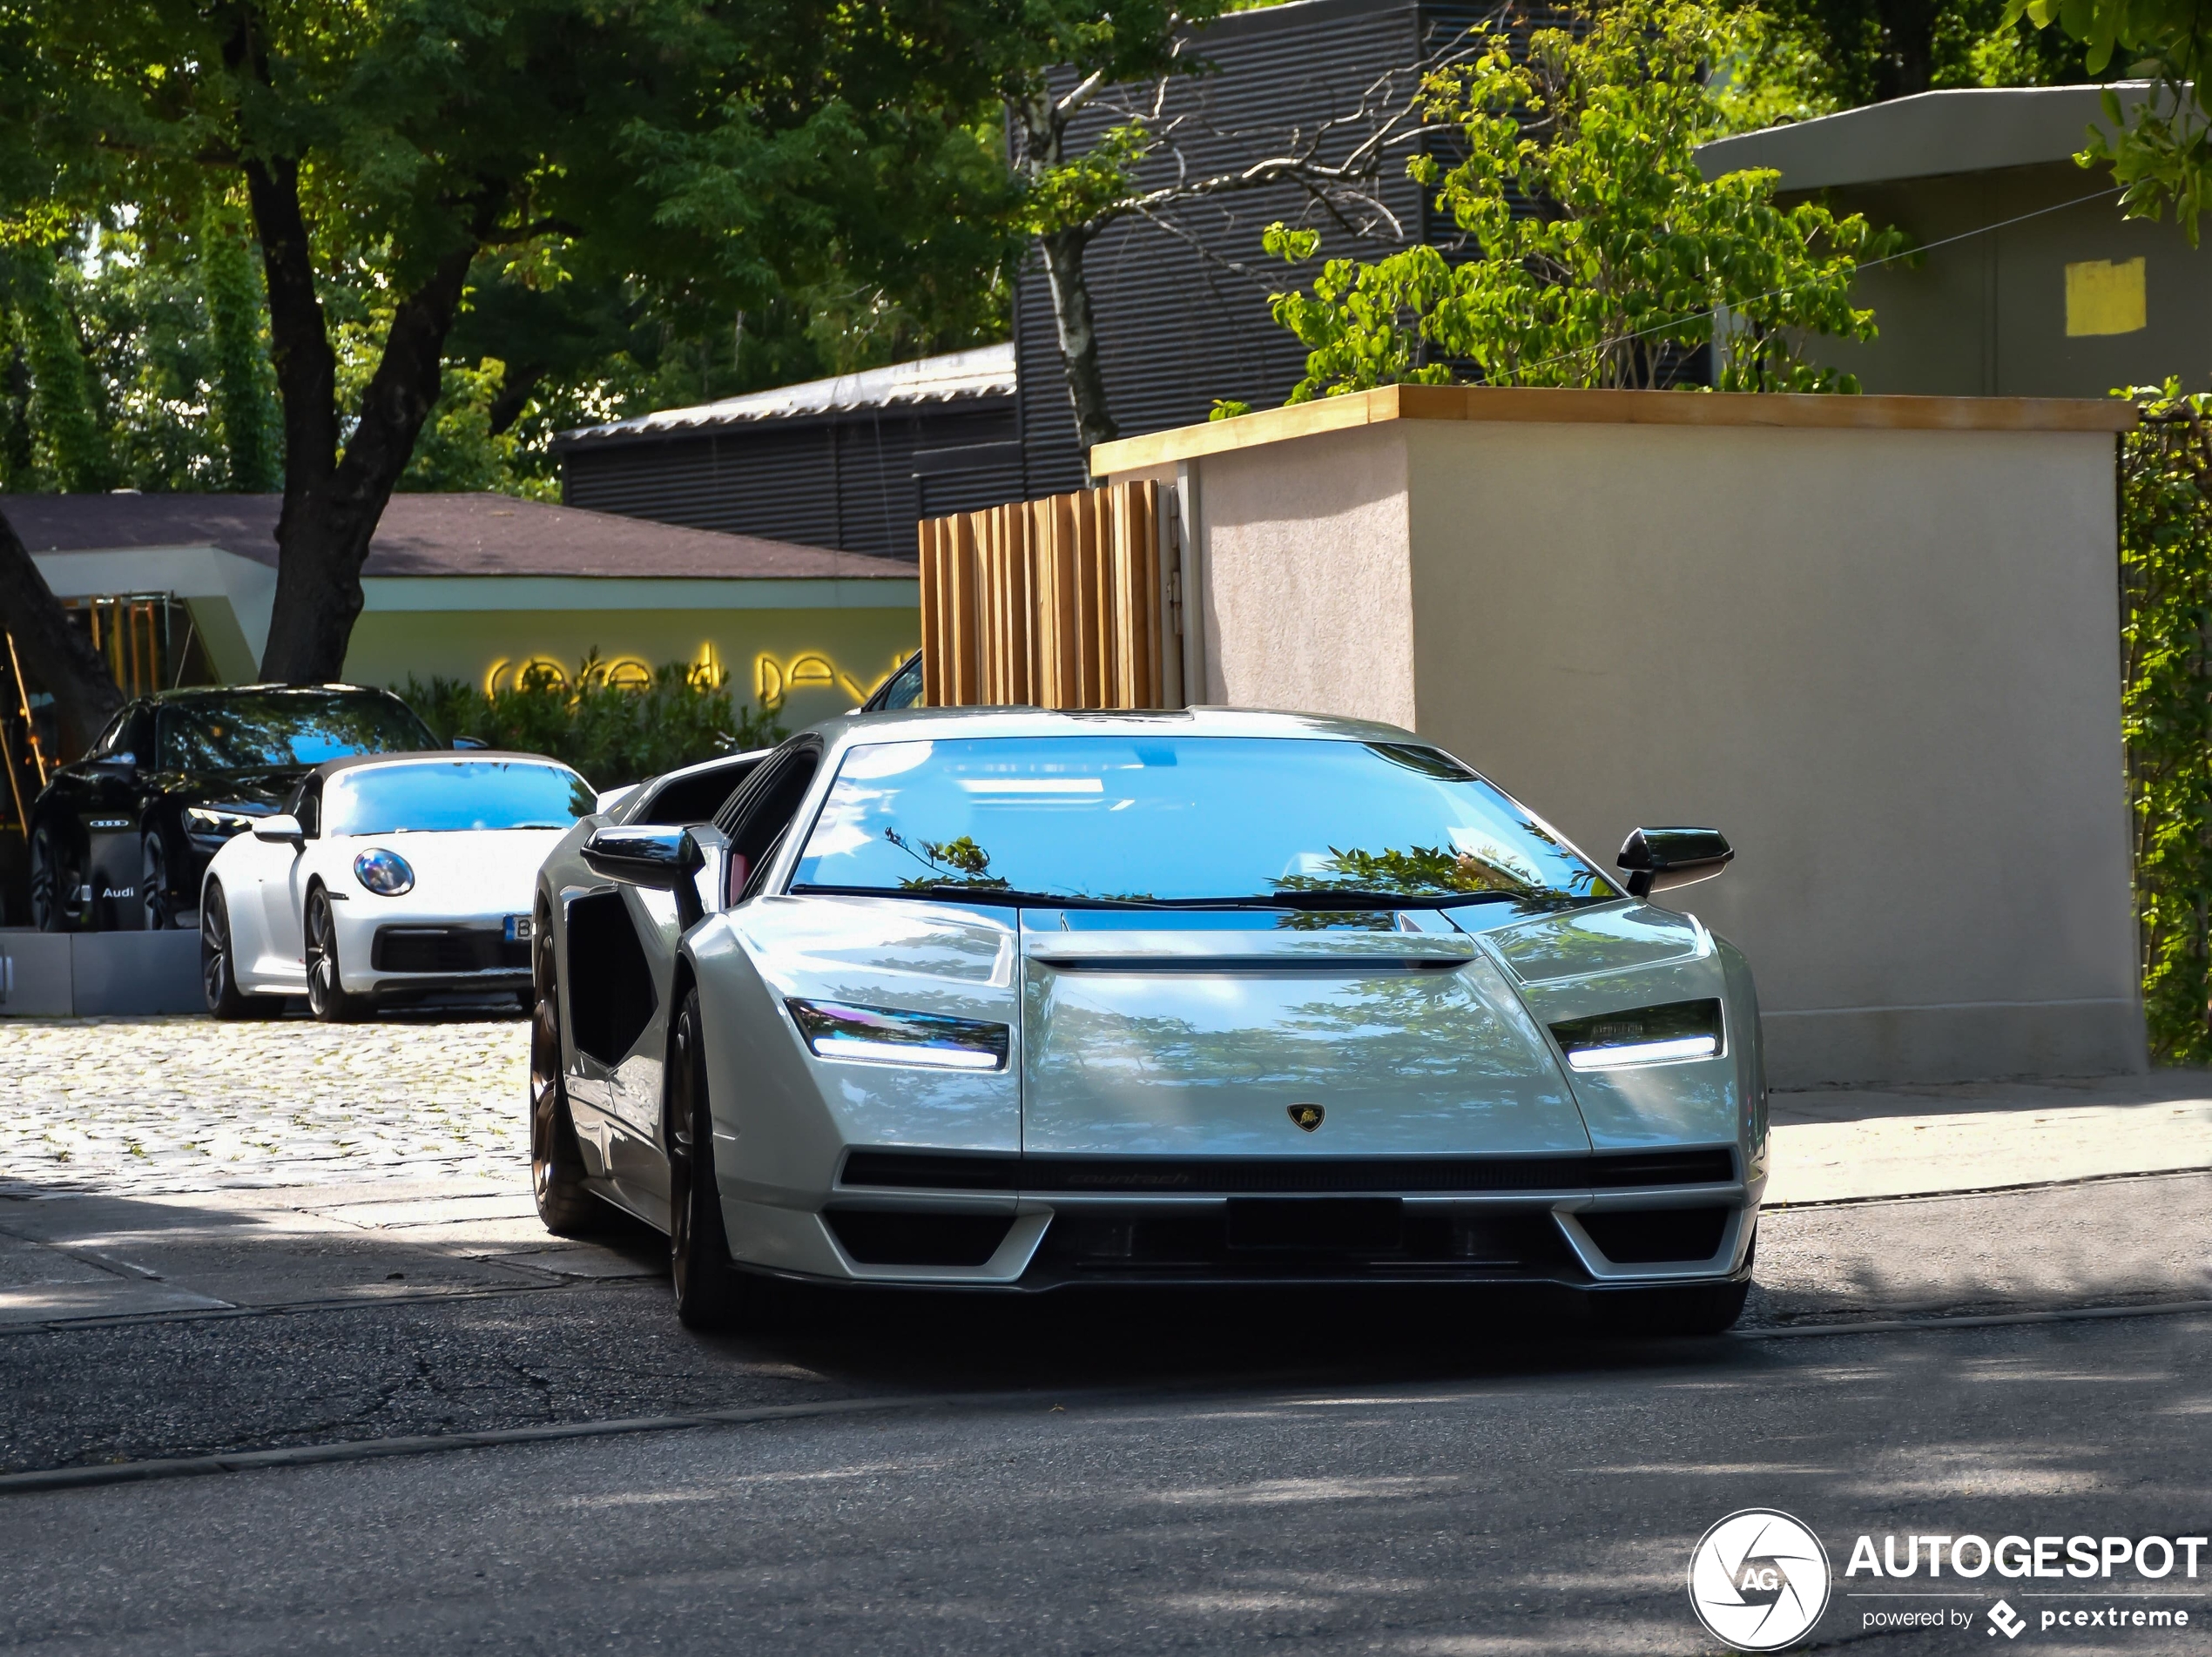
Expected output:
(443, 795)
(1280, 822)
(278, 729)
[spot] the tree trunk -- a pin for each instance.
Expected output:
(332, 505)
(1063, 266)
(60, 657)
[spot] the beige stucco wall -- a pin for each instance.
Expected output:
(1306, 594)
(1886, 662)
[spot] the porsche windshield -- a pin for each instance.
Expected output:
(274, 730)
(451, 794)
(1288, 822)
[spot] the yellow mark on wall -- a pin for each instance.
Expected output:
(773, 680)
(2104, 298)
(548, 673)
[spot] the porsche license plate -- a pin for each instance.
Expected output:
(518, 929)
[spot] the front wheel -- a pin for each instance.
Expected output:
(56, 877)
(327, 998)
(711, 1293)
(218, 966)
(153, 885)
(565, 1207)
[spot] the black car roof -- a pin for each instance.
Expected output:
(331, 767)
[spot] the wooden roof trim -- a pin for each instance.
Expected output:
(1533, 404)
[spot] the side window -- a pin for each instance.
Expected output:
(109, 740)
(135, 742)
(902, 690)
(306, 803)
(756, 818)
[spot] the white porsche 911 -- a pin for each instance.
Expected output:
(386, 878)
(1013, 999)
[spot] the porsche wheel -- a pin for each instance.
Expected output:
(153, 885)
(55, 874)
(218, 968)
(326, 994)
(556, 1166)
(711, 1293)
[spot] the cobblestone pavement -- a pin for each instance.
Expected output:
(148, 1106)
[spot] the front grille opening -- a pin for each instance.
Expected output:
(1643, 1237)
(446, 949)
(879, 1239)
(1308, 1238)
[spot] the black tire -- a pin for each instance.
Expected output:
(57, 872)
(158, 902)
(327, 995)
(1699, 1309)
(217, 967)
(564, 1205)
(711, 1293)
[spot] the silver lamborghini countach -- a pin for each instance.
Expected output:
(1019, 1000)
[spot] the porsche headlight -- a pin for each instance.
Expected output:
(883, 1035)
(384, 873)
(1665, 1034)
(217, 822)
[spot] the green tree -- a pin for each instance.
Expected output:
(729, 148)
(244, 401)
(76, 454)
(1629, 254)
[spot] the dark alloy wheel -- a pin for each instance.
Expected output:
(153, 885)
(556, 1165)
(57, 876)
(218, 970)
(327, 995)
(711, 1293)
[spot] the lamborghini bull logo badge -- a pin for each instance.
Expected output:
(1308, 1117)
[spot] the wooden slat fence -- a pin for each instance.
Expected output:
(1063, 603)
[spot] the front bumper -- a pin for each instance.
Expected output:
(1626, 1222)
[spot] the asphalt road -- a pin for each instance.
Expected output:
(1536, 1494)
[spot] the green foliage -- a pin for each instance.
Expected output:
(2166, 575)
(75, 452)
(1630, 254)
(611, 733)
(245, 391)
(1801, 57)
(2161, 154)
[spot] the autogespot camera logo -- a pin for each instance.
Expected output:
(1758, 1579)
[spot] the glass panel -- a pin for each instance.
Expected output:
(451, 794)
(275, 729)
(1281, 820)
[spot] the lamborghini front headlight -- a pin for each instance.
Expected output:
(886, 1035)
(1667, 1035)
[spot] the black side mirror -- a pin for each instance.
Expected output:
(1658, 859)
(654, 856)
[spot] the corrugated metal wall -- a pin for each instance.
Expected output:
(847, 481)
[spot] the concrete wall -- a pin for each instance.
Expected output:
(1885, 661)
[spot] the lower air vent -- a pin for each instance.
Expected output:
(919, 1239)
(1652, 1236)
(445, 949)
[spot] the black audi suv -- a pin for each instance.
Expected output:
(119, 840)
